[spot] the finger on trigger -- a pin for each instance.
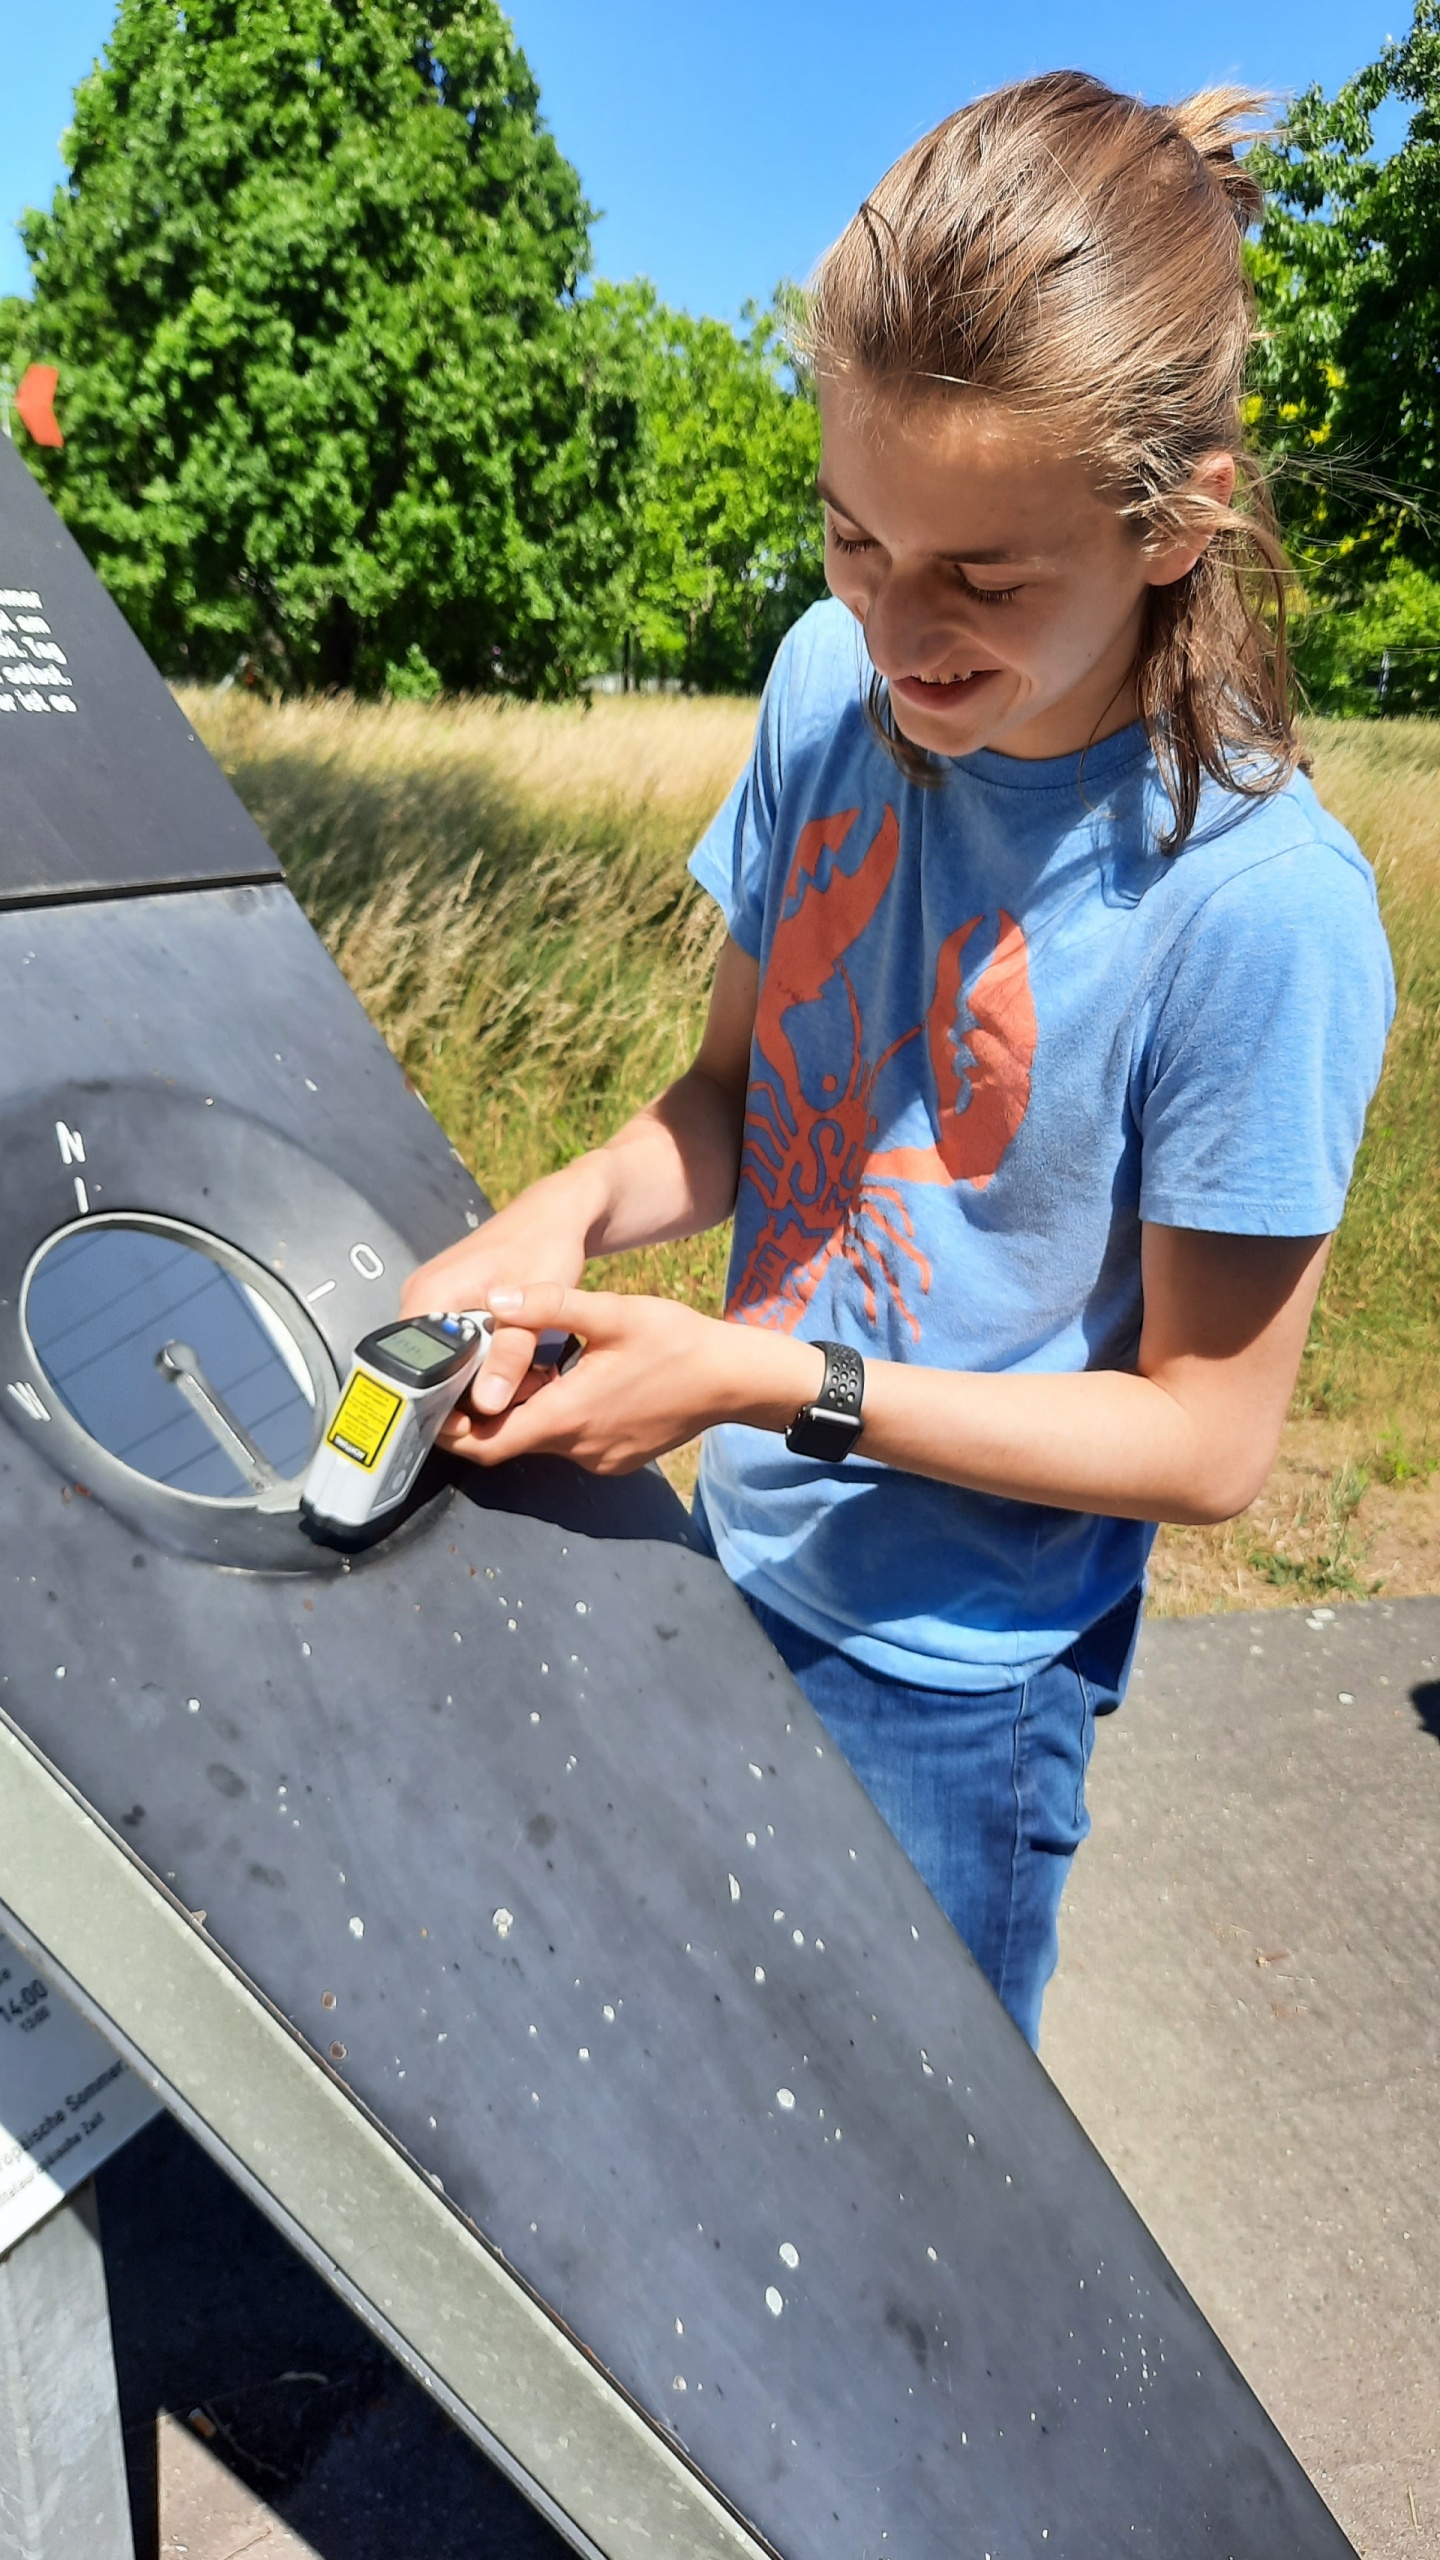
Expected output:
(535, 1308)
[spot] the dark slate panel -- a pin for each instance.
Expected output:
(115, 793)
(616, 1946)
(640, 1974)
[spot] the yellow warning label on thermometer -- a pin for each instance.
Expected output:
(365, 1420)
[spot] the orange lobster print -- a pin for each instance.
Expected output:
(825, 1190)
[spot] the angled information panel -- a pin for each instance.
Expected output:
(136, 804)
(491, 1903)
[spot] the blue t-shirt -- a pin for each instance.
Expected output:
(997, 1029)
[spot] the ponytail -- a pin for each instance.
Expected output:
(1208, 122)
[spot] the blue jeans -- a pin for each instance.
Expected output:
(985, 1793)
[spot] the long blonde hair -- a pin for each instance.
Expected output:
(1076, 253)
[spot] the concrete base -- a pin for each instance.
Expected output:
(1246, 2020)
(62, 2462)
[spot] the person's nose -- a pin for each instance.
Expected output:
(912, 626)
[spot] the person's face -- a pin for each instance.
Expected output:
(1000, 596)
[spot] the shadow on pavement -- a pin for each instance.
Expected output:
(1426, 1702)
(216, 2319)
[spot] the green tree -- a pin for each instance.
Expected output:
(1347, 275)
(1347, 271)
(724, 549)
(327, 393)
(1377, 652)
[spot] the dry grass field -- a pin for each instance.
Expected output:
(504, 887)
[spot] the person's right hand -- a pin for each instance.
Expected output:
(542, 1235)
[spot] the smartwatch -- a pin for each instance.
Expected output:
(830, 1427)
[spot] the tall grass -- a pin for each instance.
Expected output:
(1376, 1338)
(504, 886)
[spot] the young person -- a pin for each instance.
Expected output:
(1041, 1044)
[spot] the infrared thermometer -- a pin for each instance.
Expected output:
(404, 1379)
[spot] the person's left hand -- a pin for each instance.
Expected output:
(652, 1374)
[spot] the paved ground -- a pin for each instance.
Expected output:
(1246, 2020)
(260, 2418)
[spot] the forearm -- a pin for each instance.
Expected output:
(1189, 1435)
(670, 1171)
(1104, 1441)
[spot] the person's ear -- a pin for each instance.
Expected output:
(1189, 520)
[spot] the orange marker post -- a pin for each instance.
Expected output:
(35, 403)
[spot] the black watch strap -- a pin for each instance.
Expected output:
(830, 1427)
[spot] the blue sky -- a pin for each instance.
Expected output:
(725, 145)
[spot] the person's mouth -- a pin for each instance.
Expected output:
(942, 693)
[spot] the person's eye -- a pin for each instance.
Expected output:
(986, 595)
(843, 542)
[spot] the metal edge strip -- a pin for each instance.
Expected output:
(310, 2157)
(110, 892)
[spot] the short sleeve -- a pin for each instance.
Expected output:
(818, 678)
(732, 859)
(1265, 1050)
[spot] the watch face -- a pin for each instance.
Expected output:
(817, 1433)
